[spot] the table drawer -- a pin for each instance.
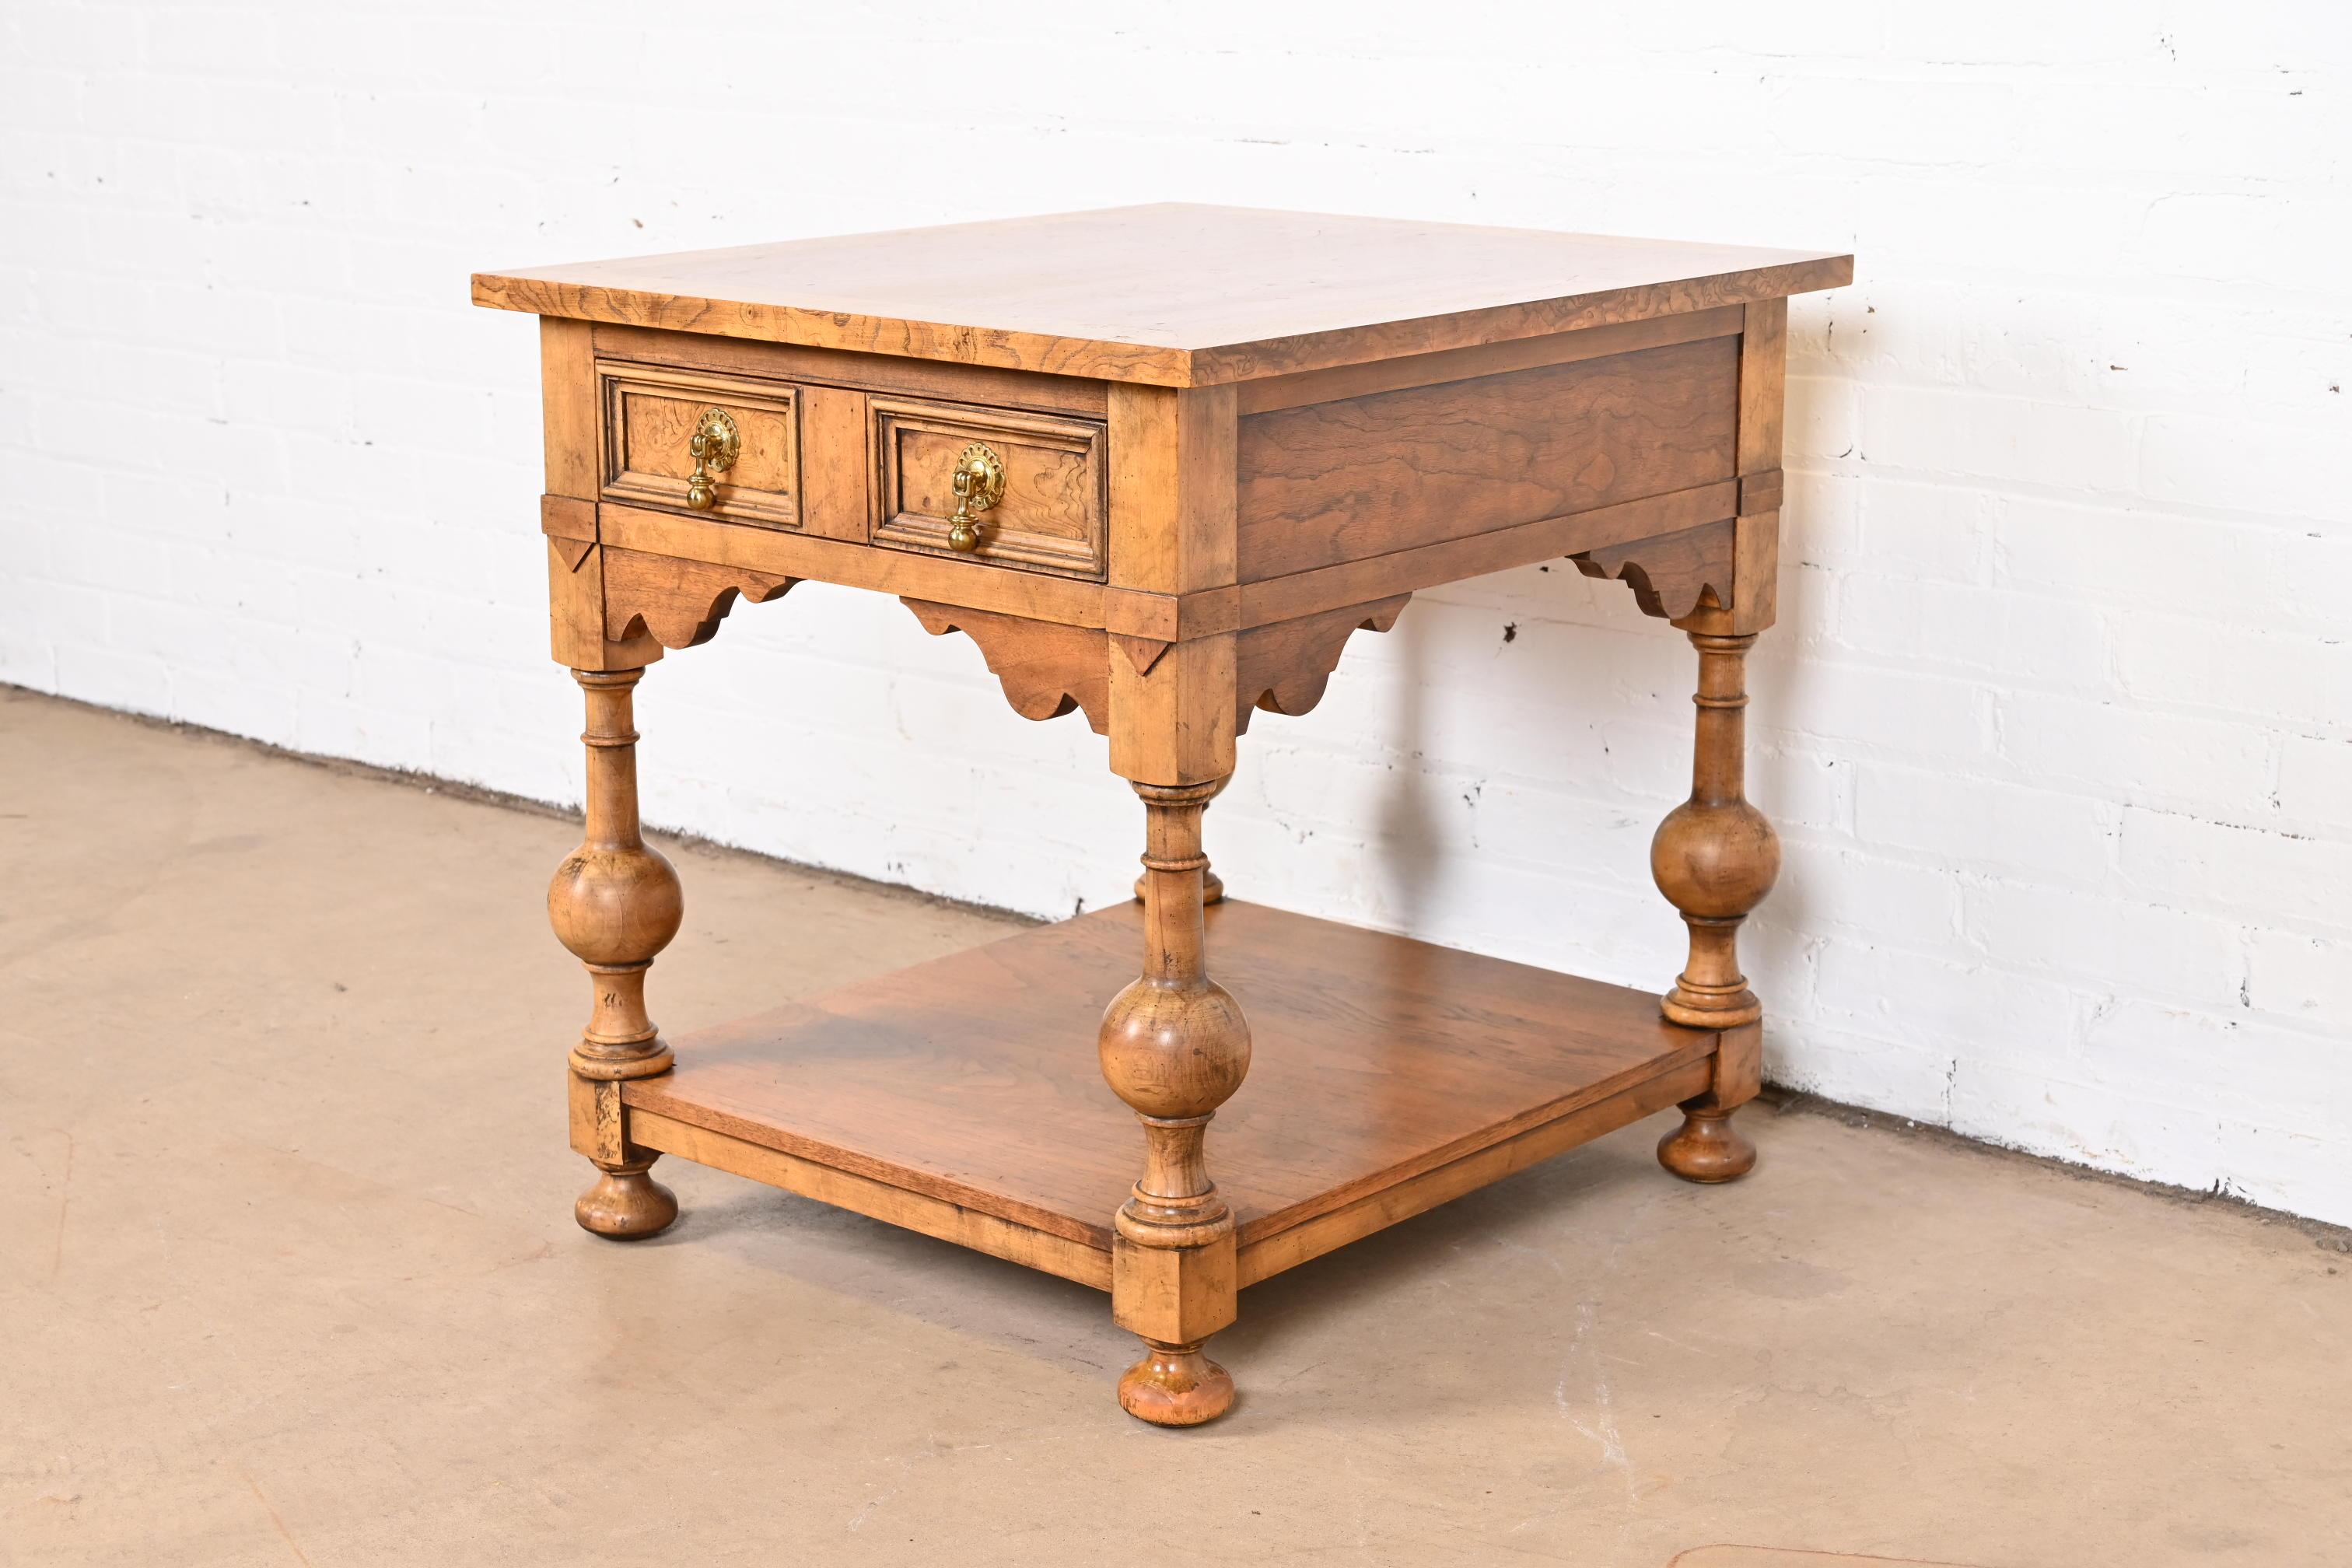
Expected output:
(1048, 516)
(751, 467)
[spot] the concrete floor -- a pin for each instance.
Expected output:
(288, 1275)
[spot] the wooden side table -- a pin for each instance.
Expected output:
(1159, 464)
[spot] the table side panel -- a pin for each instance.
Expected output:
(1328, 483)
(1082, 1261)
(1297, 390)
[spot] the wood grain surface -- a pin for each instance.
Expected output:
(651, 416)
(1047, 669)
(1671, 573)
(888, 375)
(1175, 295)
(1050, 518)
(971, 1079)
(1334, 482)
(1284, 668)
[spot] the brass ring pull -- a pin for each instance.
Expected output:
(979, 482)
(715, 444)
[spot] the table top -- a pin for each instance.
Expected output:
(1175, 295)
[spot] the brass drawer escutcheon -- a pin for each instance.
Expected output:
(979, 485)
(715, 444)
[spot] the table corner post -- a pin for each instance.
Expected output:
(1716, 856)
(615, 901)
(1174, 1044)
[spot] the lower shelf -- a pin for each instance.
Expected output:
(961, 1098)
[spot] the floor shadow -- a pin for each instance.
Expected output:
(1299, 1302)
(1404, 824)
(1055, 1322)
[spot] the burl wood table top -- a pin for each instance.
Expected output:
(1175, 295)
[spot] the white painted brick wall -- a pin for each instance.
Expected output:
(2058, 720)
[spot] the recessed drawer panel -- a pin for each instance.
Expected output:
(750, 464)
(1048, 516)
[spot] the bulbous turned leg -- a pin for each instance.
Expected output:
(1715, 857)
(615, 903)
(1174, 1046)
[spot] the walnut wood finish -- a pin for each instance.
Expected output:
(1284, 667)
(1350, 381)
(1671, 574)
(650, 415)
(1174, 1046)
(1172, 295)
(676, 603)
(1231, 441)
(615, 903)
(1151, 616)
(1051, 518)
(1212, 887)
(1714, 856)
(1047, 670)
(1387, 1075)
(1706, 1147)
(883, 375)
(1332, 482)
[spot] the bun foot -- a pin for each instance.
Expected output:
(1175, 1385)
(626, 1203)
(1707, 1148)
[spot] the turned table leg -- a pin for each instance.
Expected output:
(1174, 1047)
(1715, 857)
(1212, 887)
(615, 903)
